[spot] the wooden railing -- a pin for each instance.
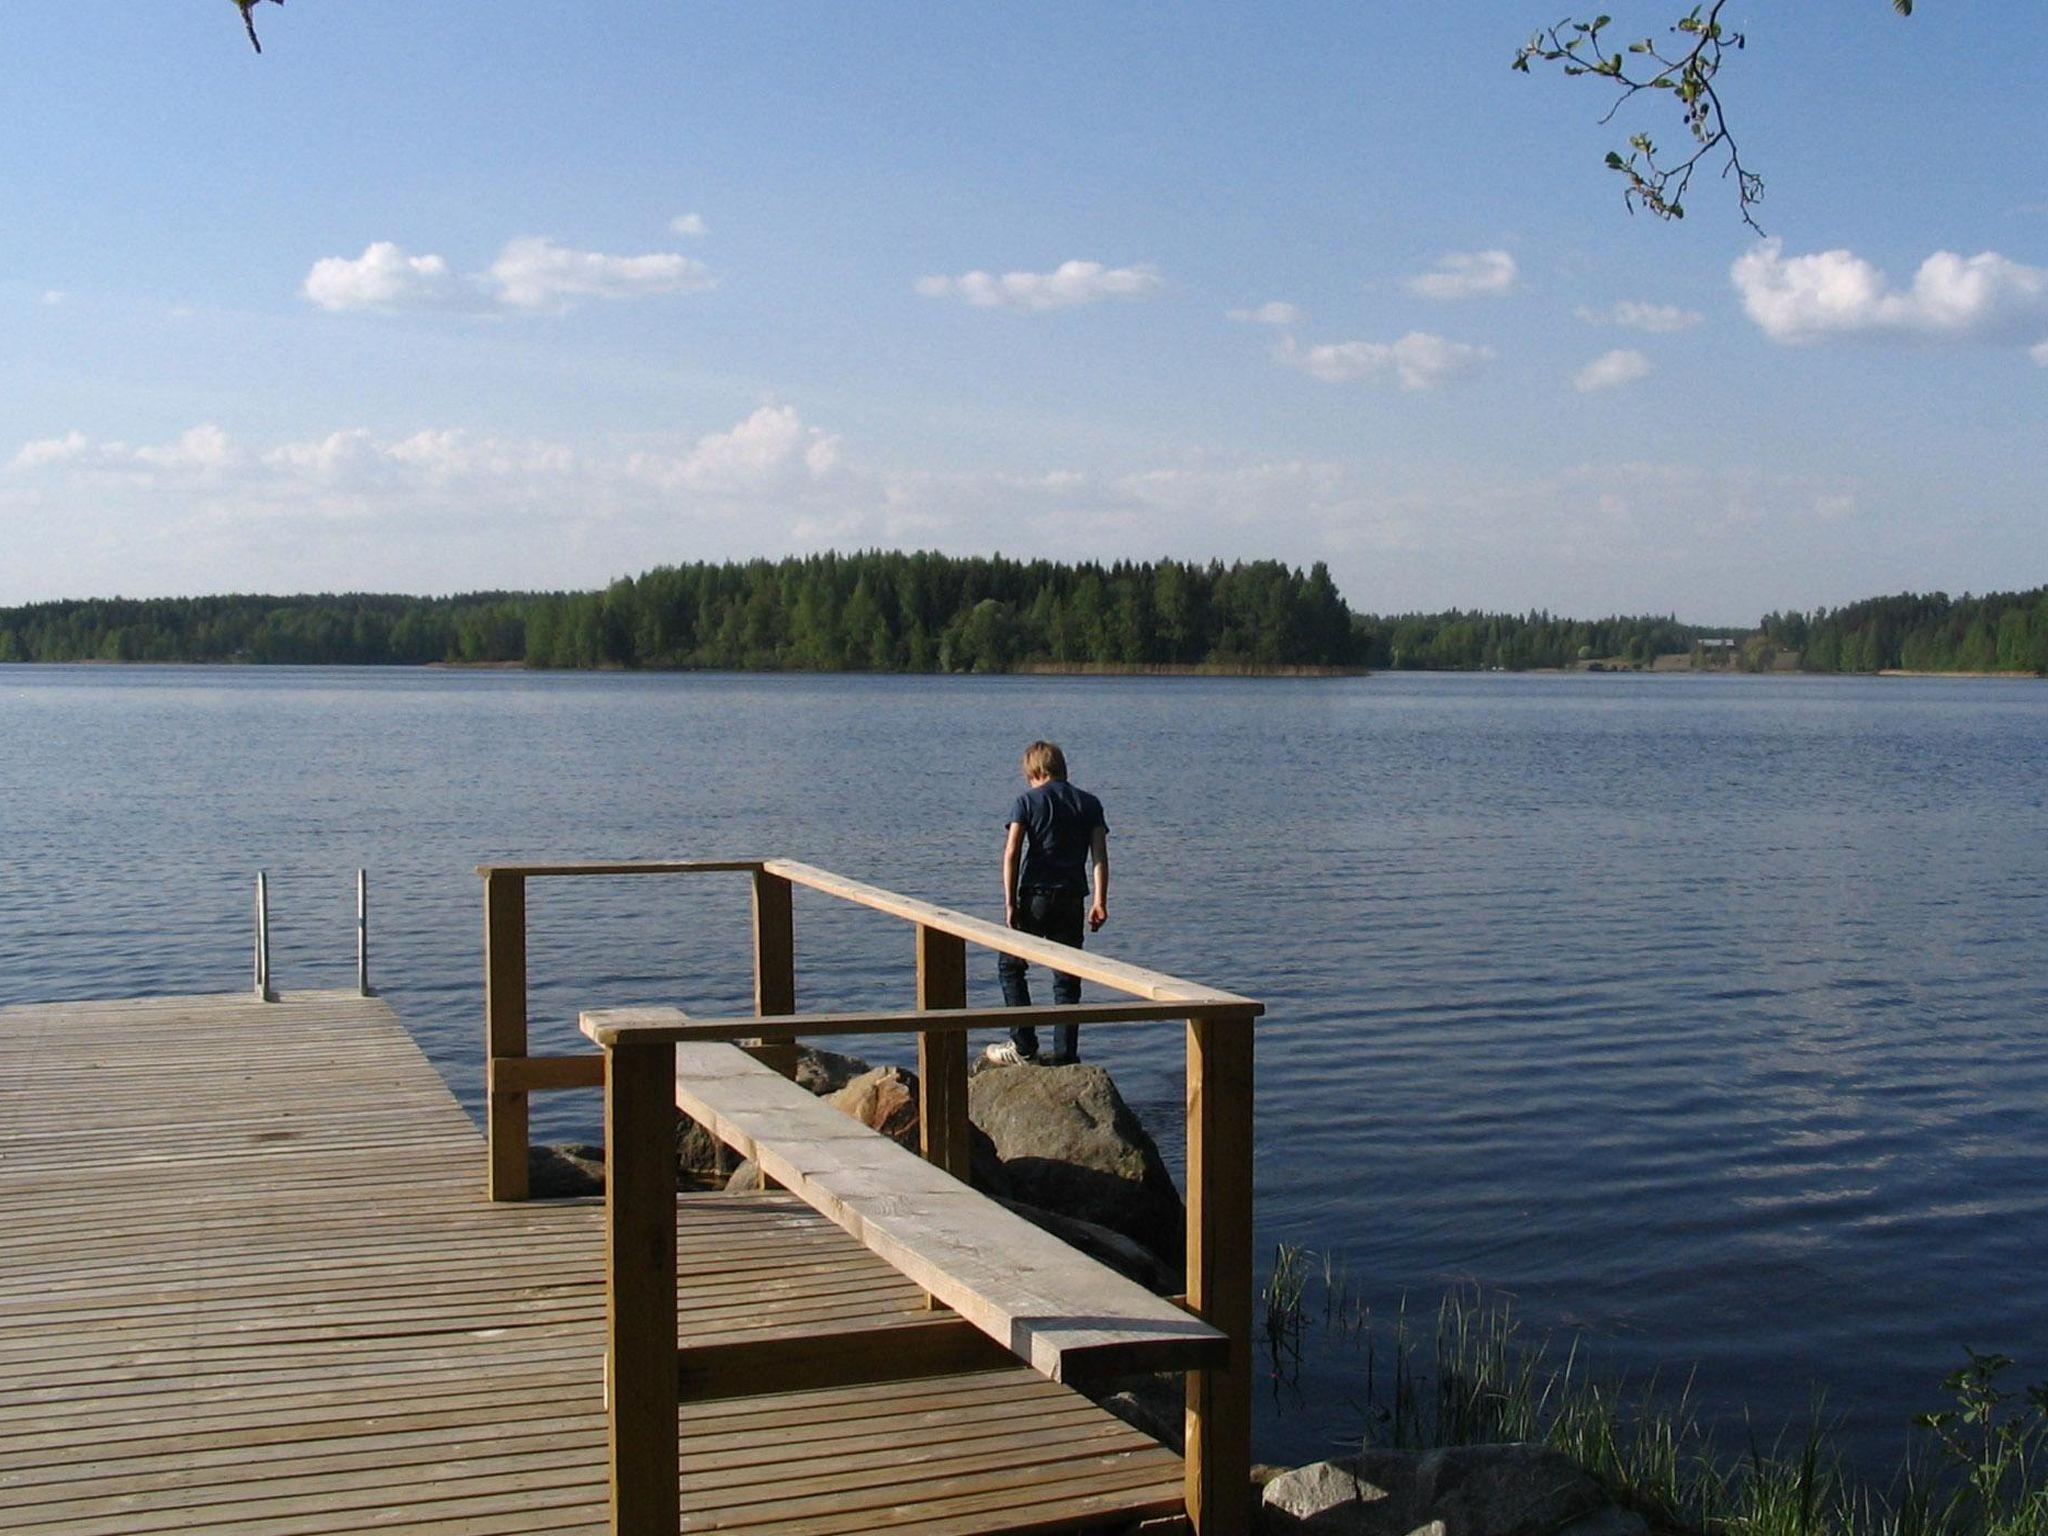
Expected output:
(637, 1071)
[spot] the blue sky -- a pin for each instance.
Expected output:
(440, 298)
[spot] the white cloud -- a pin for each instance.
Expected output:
(772, 450)
(385, 279)
(690, 225)
(1982, 298)
(1069, 284)
(535, 273)
(2039, 353)
(1466, 275)
(1273, 312)
(532, 273)
(330, 458)
(452, 455)
(1638, 316)
(1610, 370)
(203, 448)
(52, 450)
(52, 297)
(1419, 360)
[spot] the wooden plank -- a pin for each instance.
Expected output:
(538, 1074)
(608, 1026)
(505, 1121)
(621, 867)
(796, 1359)
(1219, 1271)
(1089, 966)
(1068, 1316)
(942, 1055)
(640, 1297)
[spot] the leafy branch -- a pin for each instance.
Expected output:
(1687, 65)
(247, 8)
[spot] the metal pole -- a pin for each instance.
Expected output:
(363, 932)
(263, 990)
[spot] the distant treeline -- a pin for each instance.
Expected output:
(1999, 632)
(1457, 641)
(875, 612)
(891, 612)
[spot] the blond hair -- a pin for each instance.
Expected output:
(1044, 760)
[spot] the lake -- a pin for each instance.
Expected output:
(1704, 1014)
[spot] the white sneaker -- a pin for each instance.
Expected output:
(1004, 1053)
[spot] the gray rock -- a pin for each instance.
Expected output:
(700, 1156)
(826, 1072)
(746, 1179)
(558, 1173)
(1069, 1143)
(1506, 1490)
(1479, 1490)
(1133, 1260)
(1335, 1496)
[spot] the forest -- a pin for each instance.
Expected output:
(870, 612)
(1914, 632)
(884, 611)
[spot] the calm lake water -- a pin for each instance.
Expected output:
(1703, 1014)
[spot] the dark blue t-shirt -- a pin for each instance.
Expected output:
(1059, 823)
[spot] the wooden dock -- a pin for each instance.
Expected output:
(250, 1283)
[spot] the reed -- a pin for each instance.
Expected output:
(1976, 1468)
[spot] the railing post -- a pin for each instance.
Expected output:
(1219, 1271)
(640, 1288)
(505, 1027)
(774, 964)
(942, 1054)
(363, 932)
(264, 991)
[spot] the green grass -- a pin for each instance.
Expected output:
(1475, 1377)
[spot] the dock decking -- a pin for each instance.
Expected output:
(250, 1284)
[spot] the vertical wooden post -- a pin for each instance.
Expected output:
(640, 1288)
(942, 1056)
(264, 991)
(505, 1027)
(1219, 1264)
(363, 932)
(774, 964)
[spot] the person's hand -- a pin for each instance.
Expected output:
(1009, 914)
(1097, 916)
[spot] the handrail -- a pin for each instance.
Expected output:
(637, 1071)
(1120, 974)
(651, 1026)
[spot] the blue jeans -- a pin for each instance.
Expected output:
(1059, 916)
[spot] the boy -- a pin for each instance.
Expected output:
(1055, 832)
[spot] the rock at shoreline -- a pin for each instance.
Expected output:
(1129, 1258)
(882, 1099)
(826, 1072)
(565, 1172)
(1473, 1490)
(1070, 1144)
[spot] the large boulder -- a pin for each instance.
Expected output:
(1130, 1259)
(1068, 1143)
(882, 1099)
(1473, 1490)
(563, 1172)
